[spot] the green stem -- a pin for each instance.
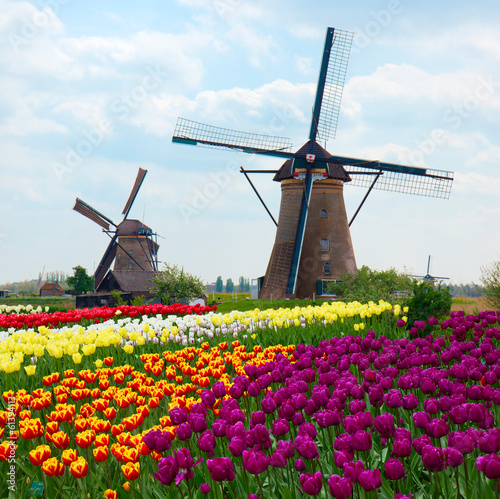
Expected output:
(466, 478)
(260, 487)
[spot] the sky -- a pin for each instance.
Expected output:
(91, 91)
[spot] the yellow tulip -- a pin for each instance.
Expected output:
(77, 358)
(128, 348)
(30, 370)
(98, 363)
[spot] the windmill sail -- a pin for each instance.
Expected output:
(106, 261)
(331, 84)
(87, 211)
(194, 133)
(137, 185)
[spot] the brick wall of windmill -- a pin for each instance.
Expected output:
(132, 246)
(326, 195)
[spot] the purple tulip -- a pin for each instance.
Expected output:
(311, 483)
(362, 441)
(178, 415)
(341, 457)
(280, 427)
(433, 458)
(340, 488)
(206, 442)
(461, 441)
(204, 488)
(221, 469)
(255, 462)
(353, 470)
(370, 479)
(237, 446)
(307, 447)
(453, 456)
(198, 422)
(489, 465)
(384, 424)
(278, 459)
(394, 469)
(167, 470)
(219, 428)
(401, 447)
(208, 398)
(268, 404)
(436, 428)
(184, 432)
(299, 465)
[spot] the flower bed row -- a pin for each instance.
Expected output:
(123, 333)
(96, 314)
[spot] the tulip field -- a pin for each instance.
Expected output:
(339, 400)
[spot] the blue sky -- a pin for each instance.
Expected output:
(90, 91)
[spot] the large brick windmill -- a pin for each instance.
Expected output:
(313, 241)
(133, 246)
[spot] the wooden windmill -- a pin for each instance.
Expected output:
(133, 245)
(313, 241)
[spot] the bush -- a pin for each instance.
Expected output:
(428, 301)
(491, 280)
(368, 284)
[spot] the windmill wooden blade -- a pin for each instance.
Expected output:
(137, 185)
(330, 84)
(301, 228)
(87, 211)
(106, 261)
(397, 178)
(199, 134)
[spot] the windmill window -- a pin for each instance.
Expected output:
(327, 269)
(325, 244)
(130, 265)
(324, 214)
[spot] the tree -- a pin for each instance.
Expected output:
(244, 285)
(80, 281)
(229, 285)
(490, 278)
(219, 285)
(172, 282)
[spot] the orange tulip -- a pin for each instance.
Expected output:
(81, 424)
(60, 439)
(109, 413)
(131, 470)
(126, 486)
(70, 373)
(31, 428)
(53, 467)
(52, 427)
(39, 455)
(101, 454)
(117, 429)
(79, 468)
(130, 455)
(69, 456)
(85, 438)
(108, 361)
(110, 494)
(101, 440)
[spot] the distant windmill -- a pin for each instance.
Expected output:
(133, 245)
(313, 240)
(428, 277)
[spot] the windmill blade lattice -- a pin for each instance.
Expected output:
(331, 97)
(195, 133)
(428, 182)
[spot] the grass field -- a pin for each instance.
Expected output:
(49, 301)
(469, 305)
